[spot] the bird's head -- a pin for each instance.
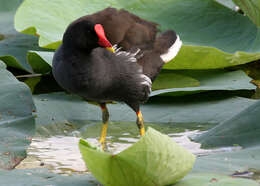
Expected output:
(102, 40)
(85, 34)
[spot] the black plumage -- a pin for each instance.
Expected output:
(83, 66)
(131, 33)
(100, 76)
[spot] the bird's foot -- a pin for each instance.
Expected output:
(142, 131)
(102, 142)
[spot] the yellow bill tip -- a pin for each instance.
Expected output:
(111, 49)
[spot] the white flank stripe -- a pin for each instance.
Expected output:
(172, 51)
(146, 79)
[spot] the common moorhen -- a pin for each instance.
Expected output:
(88, 65)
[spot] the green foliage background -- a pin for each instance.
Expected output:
(208, 82)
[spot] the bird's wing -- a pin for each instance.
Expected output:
(125, 29)
(122, 75)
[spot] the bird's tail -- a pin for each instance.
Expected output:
(166, 47)
(167, 44)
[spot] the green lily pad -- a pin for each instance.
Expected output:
(8, 32)
(203, 57)
(33, 177)
(242, 129)
(32, 82)
(209, 80)
(206, 47)
(16, 121)
(9, 5)
(171, 79)
(49, 39)
(13, 50)
(40, 61)
(251, 9)
(7, 10)
(205, 179)
(228, 163)
(154, 160)
(60, 107)
(13, 45)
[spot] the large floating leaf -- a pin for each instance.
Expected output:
(251, 8)
(210, 80)
(7, 10)
(40, 61)
(33, 177)
(13, 50)
(205, 179)
(200, 24)
(16, 120)
(228, 163)
(173, 79)
(202, 57)
(60, 107)
(13, 45)
(154, 160)
(242, 129)
(49, 31)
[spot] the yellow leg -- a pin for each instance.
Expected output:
(103, 133)
(140, 123)
(105, 117)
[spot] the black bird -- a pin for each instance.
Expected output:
(88, 65)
